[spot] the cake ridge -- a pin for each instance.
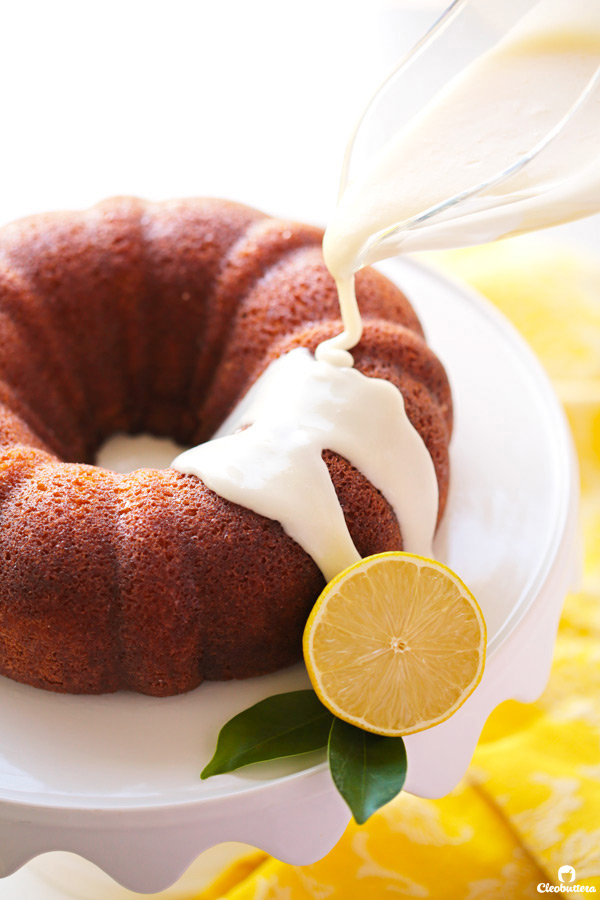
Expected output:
(264, 234)
(134, 363)
(36, 430)
(59, 399)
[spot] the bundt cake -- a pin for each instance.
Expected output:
(157, 317)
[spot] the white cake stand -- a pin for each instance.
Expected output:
(115, 779)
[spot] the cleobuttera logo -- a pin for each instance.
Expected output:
(566, 876)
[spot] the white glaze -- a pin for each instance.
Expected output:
(298, 408)
(486, 120)
(498, 109)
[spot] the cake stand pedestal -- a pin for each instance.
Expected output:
(115, 779)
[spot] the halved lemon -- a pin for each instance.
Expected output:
(395, 644)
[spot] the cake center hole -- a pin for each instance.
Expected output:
(127, 452)
(398, 645)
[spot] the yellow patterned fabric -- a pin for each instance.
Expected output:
(530, 803)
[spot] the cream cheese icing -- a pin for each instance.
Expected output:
(512, 103)
(298, 408)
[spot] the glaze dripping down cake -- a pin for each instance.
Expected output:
(139, 317)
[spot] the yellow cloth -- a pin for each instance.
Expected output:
(531, 800)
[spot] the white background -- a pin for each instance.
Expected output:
(252, 100)
(248, 100)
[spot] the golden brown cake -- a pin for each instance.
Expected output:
(157, 317)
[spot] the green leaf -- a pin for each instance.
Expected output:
(368, 769)
(283, 725)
